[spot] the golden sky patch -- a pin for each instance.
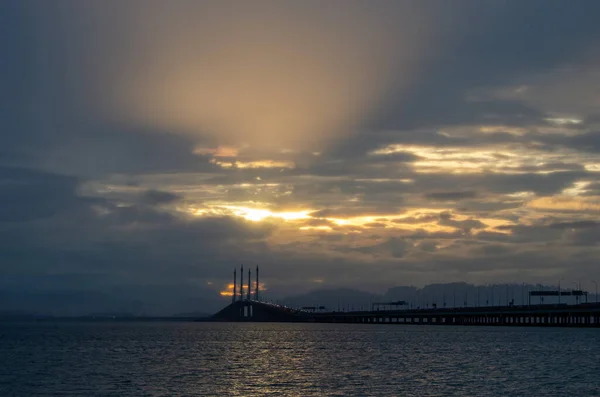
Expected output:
(566, 203)
(253, 164)
(505, 159)
(220, 151)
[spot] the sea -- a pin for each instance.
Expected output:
(103, 358)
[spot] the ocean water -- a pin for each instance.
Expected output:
(208, 359)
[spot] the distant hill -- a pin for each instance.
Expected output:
(194, 314)
(18, 314)
(110, 315)
(334, 299)
(448, 295)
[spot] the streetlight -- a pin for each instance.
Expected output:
(576, 296)
(559, 289)
(596, 284)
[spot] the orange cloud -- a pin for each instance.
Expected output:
(566, 203)
(228, 290)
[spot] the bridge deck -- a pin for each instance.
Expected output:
(582, 315)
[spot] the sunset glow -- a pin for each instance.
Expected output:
(228, 290)
(149, 147)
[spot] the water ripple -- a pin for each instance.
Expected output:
(202, 359)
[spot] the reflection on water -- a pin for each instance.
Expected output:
(203, 359)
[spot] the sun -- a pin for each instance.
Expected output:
(259, 214)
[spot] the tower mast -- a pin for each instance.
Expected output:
(233, 298)
(242, 283)
(249, 284)
(257, 284)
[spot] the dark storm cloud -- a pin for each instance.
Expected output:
(519, 40)
(446, 219)
(542, 184)
(393, 246)
(156, 197)
(562, 234)
(575, 225)
(565, 234)
(115, 248)
(419, 125)
(502, 183)
(588, 141)
(582, 238)
(394, 195)
(99, 150)
(451, 196)
(48, 122)
(523, 38)
(30, 194)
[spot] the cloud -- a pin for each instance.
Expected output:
(575, 225)
(394, 247)
(30, 194)
(450, 196)
(149, 147)
(120, 255)
(157, 197)
(446, 219)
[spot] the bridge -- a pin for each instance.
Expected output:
(581, 315)
(256, 311)
(250, 308)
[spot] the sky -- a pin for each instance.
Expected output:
(149, 147)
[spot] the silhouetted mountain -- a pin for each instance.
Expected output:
(124, 302)
(18, 315)
(334, 299)
(441, 295)
(193, 314)
(110, 315)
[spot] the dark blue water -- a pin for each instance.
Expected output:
(203, 359)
